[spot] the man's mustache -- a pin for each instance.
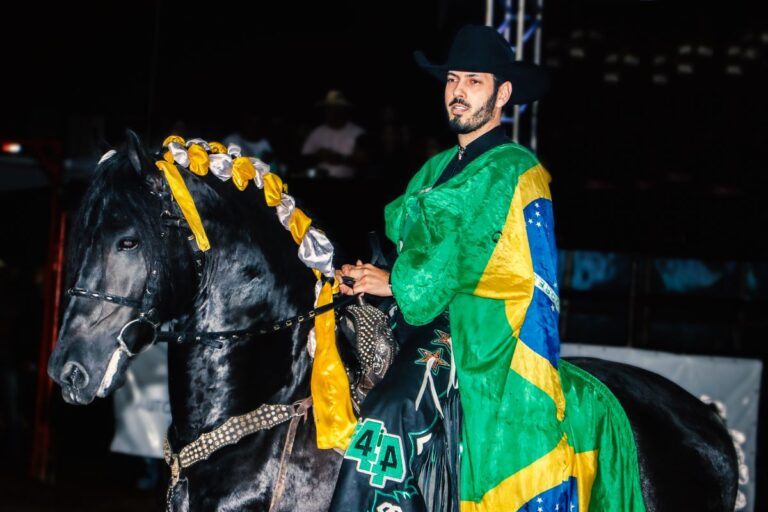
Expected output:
(459, 101)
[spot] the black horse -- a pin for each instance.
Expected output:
(128, 243)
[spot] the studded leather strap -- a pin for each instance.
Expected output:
(230, 432)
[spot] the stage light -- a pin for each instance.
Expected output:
(11, 147)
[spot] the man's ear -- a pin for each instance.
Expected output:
(505, 92)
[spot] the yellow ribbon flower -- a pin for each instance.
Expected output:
(198, 160)
(298, 225)
(273, 189)
(173, 138)
(218, 148)
(243, 171)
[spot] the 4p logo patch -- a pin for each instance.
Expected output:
(378, 453)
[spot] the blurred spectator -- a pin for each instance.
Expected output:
(332, 147)
(252, 138)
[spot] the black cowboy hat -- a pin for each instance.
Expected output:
(482, 49)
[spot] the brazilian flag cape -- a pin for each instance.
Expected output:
(538, 434)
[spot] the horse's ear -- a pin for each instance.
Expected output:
(142, 163)
(136, 154)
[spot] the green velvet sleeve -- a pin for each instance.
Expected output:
(424, 277)
(446, 235)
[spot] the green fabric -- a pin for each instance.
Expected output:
(448, 236)
(596, 420)
(445, 238)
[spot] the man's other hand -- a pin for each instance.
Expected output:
(368, 279)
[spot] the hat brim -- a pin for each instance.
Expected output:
(530, 82)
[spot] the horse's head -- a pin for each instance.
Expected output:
(120, 265)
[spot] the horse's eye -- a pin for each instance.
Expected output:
(127, 244)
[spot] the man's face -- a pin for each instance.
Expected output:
(470, 99)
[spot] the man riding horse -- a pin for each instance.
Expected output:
(477, 270)
(161, 238)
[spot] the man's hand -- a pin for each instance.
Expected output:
(368, 279)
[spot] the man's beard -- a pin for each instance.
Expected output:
(461, 126)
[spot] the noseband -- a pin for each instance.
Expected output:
(147, 311)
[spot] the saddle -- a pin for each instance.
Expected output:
(366, 326)
(367, 329)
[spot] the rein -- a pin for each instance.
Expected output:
(214, 339)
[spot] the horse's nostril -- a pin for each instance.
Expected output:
(74, 375)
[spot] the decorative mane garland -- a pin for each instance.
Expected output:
(333, 413)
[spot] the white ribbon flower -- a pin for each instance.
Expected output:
(179, 153)
(316, 251)
(220, 165)
(234, 151)
(199, 142)
(285, 210)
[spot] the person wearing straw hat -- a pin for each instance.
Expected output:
(332, 146)
(477, 266)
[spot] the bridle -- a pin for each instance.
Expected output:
(147, 313)
(214, 339)
(147, 307)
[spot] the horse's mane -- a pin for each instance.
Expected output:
(249, 208)
(120, 196)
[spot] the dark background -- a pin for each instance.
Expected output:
(654, 132)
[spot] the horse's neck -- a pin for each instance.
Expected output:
(240, 289)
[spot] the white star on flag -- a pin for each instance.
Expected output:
(539, 500)
(538, 224)
(538, 214)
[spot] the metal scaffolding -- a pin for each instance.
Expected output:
(523, 19)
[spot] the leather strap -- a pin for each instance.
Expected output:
(302, 408)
